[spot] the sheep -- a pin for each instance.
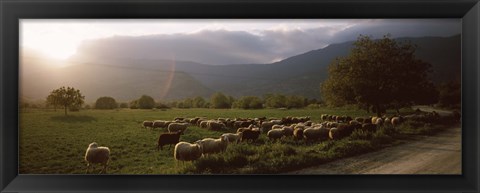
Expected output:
(324, 117)
(395, 121)
(204, 124)
(95, 154)
(378, 121)
(298, 134)
(147, 124)
(276, 122)
(250, 135)
(287, 131)
(341, 131)
(168, 139)
(173, 127)
(275, 134)
(233, 137)
(315, 133)
(369, 127)
(359, 119)
(158, 123)
(185, 151)
(266, 126)
(277, 126)
(308, 123)
(210, 145)
(216, 126)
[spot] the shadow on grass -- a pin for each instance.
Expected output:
(73, 118)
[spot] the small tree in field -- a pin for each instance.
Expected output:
(146, 102)
(106, 103)
(67, 97)
(378, 74)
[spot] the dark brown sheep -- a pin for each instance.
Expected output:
(250, 135)
(168, 139)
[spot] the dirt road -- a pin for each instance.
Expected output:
(438, 154)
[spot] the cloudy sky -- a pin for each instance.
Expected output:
(216, 41)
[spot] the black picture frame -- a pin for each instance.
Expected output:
(13, 10)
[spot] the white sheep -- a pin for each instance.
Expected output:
(95, 154)
(233, 137)
(395, 121)
(147, 124)
(185, 151)
(174, 127)
(210, 145)
(378, 121)
(275, 134)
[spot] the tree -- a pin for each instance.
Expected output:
(69, 98)
(146, 102)
(275, 100)
(199, 102)
(220, 101)
(123, 105)
(248, 102)
(106, 103)
(377, 74)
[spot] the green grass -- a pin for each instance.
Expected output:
(51, 143)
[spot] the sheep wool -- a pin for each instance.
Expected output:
(185, 151)
(97, 155)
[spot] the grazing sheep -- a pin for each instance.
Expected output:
(308, 123)
(210, 145)
(266, 126)
(147, 124)
(185, 151)
(204, 124)
(97, 155)
(298, 134)
(250, 135)
(374, 120)
(378, 121)
(215, 126)
(315, 133)
(159, 123)
(395, 121)
(233, 137)
(277, 126)
(168, 139)
(174, 127)
(287, 131)
(275, 134)
(341, 131)
(359, 119)
(369, 127)
(276, 122)
(324, 117)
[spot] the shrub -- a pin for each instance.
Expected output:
(106, 103)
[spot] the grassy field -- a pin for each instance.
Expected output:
(51, 143)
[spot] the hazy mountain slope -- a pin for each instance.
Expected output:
(126, 78)
(122, 83)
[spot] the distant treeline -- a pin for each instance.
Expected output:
(222, 101)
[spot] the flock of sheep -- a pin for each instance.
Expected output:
(249, 129)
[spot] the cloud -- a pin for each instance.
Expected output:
(220, 46)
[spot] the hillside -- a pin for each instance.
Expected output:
(127, 77)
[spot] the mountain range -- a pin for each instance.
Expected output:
(128, 77)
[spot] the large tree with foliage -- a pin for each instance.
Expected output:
(67, 97)
(146, 102)
(220, 101)
(106, 103)
(248, 102)
(378, 74)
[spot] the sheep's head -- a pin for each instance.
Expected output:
(93, 145)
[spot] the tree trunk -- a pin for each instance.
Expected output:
(65, 110)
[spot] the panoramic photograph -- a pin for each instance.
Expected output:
(240, 96)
